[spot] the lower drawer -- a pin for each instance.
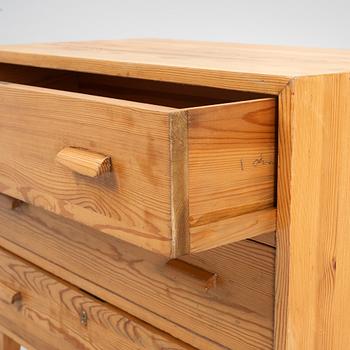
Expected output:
(219, 299)
(49, 314)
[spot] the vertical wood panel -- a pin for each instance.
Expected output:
(7, 343)
(313, 244)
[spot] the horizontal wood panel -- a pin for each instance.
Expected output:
(49, 315)
(261, 68)
(235, 313)
(131, 202)
(232, 230)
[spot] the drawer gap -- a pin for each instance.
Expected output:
(139, 90)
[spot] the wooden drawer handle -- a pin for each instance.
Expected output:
(84, 162)
(9, 295)
(207, 279)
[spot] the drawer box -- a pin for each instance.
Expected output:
(218, 299)
(47, 313)
(181, 179)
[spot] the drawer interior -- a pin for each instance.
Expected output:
(139, 90)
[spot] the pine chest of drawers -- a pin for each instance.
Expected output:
(174, 195)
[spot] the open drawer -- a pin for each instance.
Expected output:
(171, 178)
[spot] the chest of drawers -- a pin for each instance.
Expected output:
(174, 195)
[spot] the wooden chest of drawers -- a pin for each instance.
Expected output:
(174, 195)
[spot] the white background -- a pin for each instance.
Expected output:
(320, 23)
(323, 23)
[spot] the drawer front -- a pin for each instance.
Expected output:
(171, 181)
(49, 314)
(131, 202)
(219, 299)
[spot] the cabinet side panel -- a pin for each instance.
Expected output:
(313, 256)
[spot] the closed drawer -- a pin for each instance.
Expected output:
(49, 314)
(218, 299)
(169, 180)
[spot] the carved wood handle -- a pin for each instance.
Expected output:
(84, 162)
(9, 295)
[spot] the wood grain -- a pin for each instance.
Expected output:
(132, 202)
(84, 162)
(231, 167)
(7, 343)
(7, 202)
(232, 230)
(258, 68)
(266, 238)
(8, 294)
(140, 90)
(179, 183)
(179, 170)
(49, 315)
(236, 314)
(312, 279)
(313, 274)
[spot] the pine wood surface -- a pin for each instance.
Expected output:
(8, 202)
(7, 343)
(231, 160)
(49, 315)
(235, 314)
(246, 67)
(84, 162)
(313, 275)
(232, 230)
(165, 179)
(312, 245)
(8, 294)
(267, 238)
(140, 211)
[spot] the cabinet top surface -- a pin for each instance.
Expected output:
(247, 67)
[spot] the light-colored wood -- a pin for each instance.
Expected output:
(7, 343)
(312, 277)
(8, 294)
(84, 162)
(236, 314)
(132, 202)
(231, 170)
(266, 238)
(313, 265)
(246, 67)
(170, 172)
(179, 183)
(232, 230)
(209, 278)
(16, 339)
(7, 202)
(50, 315)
